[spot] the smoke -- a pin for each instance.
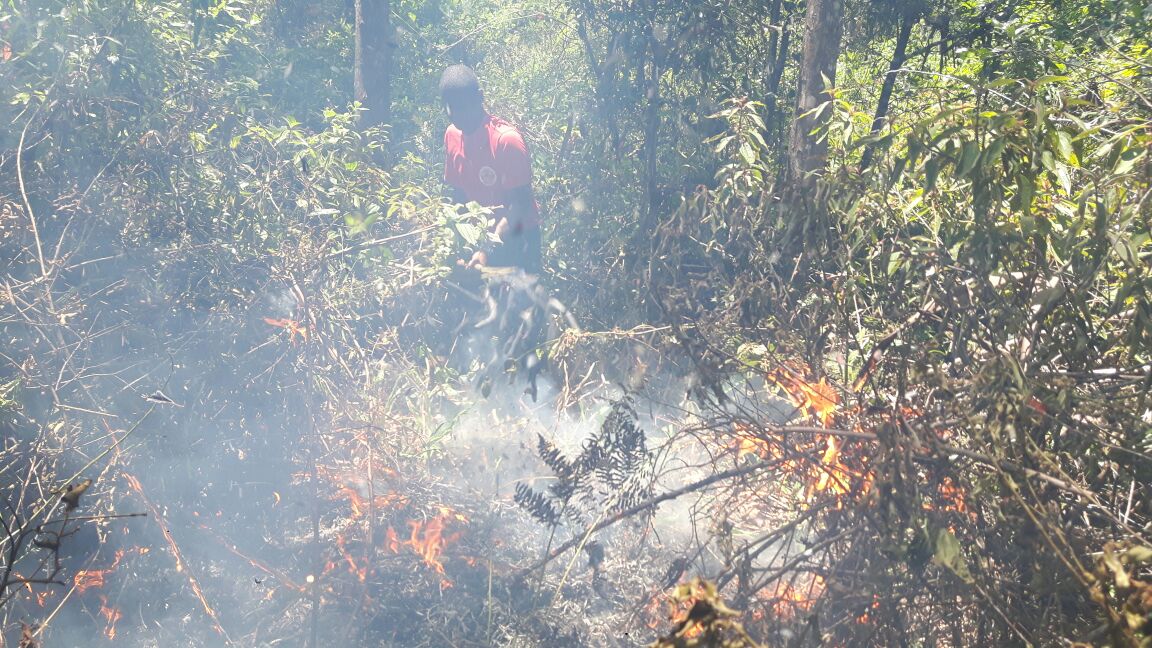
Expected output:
(282, 505)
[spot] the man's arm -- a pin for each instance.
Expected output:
(520, 212)
(516, 170)
(454, 194)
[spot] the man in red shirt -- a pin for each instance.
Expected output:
(486, 161)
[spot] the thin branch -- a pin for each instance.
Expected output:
(24, 193)
(647, 504)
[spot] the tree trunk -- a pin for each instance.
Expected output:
(898, 57)
(652, 134)
(372, 76)
(823, 26)
(776, 121)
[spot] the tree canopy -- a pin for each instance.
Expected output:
(851, 305)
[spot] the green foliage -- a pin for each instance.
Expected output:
(980, 295)
(986, 284)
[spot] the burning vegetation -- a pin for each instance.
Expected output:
(248, 397)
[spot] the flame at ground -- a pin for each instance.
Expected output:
(427, 539)
(663, 608)
(359, 504)
(866, 616)
(953, 496)
(111, 616)
(86, 579)
(293, 328)
(359, 571)
(174, 549)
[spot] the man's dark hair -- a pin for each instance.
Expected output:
(459, 82)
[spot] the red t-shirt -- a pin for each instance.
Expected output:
(487, 163)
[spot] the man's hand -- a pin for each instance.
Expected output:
(503, 228)
(479, 259)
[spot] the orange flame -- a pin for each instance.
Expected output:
(652, 613)
(790, 598)
(427, 539)
(359, 503)
(86, 579)
(953, 495)
(817, 399)
(360, 572)
(111, 615)
(135, 484)
(830, 475)
(865, 617)
(293, 327)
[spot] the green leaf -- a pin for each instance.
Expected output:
(1064, 178)
(1119, 574)
(894, 262)
(469, 232)
(969, 154)
(747, 154)
(1138, 555)
(992, 154)
(1062, 142)
(1026, 188)
(751, 353)
(1127, 252)
(1126, 162)
(1043, 300)
(931, 174)
(949, 555)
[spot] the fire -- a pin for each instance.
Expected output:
(427, 539)
(293, 327)
(86, 579)
(835, 476)
(111, 616)
(792, 597)
(360, 572)
(820, 401)
(817, 399)
(866, 617)
(663, 608)
(829, 475)
(652, 613)
(750, 443)
(953, 495)
(177, 556)
(359, 503)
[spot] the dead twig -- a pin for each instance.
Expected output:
(642, 506)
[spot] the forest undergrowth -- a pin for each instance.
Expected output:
(901, 401)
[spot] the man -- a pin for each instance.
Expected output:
(486, 161)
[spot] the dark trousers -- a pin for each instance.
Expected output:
(520, 250)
